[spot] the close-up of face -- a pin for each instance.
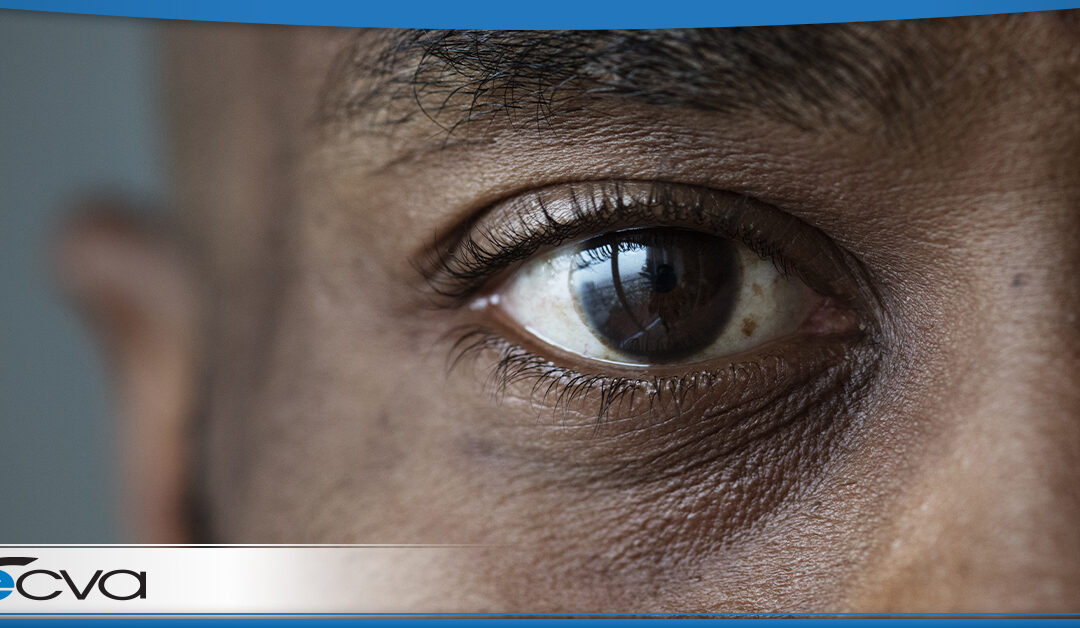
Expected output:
(735, 319)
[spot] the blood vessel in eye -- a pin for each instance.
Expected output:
(656, 294)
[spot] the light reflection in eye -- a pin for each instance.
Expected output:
(655, 296)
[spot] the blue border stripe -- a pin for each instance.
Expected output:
(458, 622)
(805, 620)
(549, 14)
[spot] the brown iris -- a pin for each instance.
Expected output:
(656, 294)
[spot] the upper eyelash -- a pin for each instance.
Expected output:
(458, 271)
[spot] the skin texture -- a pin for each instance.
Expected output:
(284, 374)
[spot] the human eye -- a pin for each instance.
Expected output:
(616, 300)
(656, 295)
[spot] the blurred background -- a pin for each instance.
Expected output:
(78, 113)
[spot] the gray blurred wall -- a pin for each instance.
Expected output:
(78, 111)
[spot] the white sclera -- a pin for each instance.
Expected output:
(769, 306)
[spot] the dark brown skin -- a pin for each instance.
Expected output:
(932, 464)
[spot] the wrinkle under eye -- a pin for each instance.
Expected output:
(656, 294)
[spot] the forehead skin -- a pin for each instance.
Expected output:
(953, 483)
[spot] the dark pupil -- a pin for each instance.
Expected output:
(656, 294)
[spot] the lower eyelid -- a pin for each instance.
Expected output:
(612, 430)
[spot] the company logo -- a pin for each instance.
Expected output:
(43, 584)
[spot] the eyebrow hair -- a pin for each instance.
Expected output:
(805, 75)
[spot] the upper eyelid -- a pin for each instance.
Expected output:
(539, 202)
(549, 216)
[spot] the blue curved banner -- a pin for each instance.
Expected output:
(549, 14)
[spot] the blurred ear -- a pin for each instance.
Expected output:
(135, 289)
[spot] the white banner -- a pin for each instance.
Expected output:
(219, 579)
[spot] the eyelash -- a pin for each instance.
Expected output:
(460, 270)
(515, 364)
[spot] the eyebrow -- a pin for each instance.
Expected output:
(808, 76)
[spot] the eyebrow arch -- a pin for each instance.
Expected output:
(808, 76)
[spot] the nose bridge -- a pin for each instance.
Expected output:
(1020, 406)
(1015, 477)
(1019, 436)
(1023, 383)
(1010, 495)
(990, 518)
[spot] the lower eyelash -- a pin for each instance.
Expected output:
(515, 364)
(561, 388)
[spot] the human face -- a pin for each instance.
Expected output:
(406, 340)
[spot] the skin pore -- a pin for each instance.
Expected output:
(283, 363)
